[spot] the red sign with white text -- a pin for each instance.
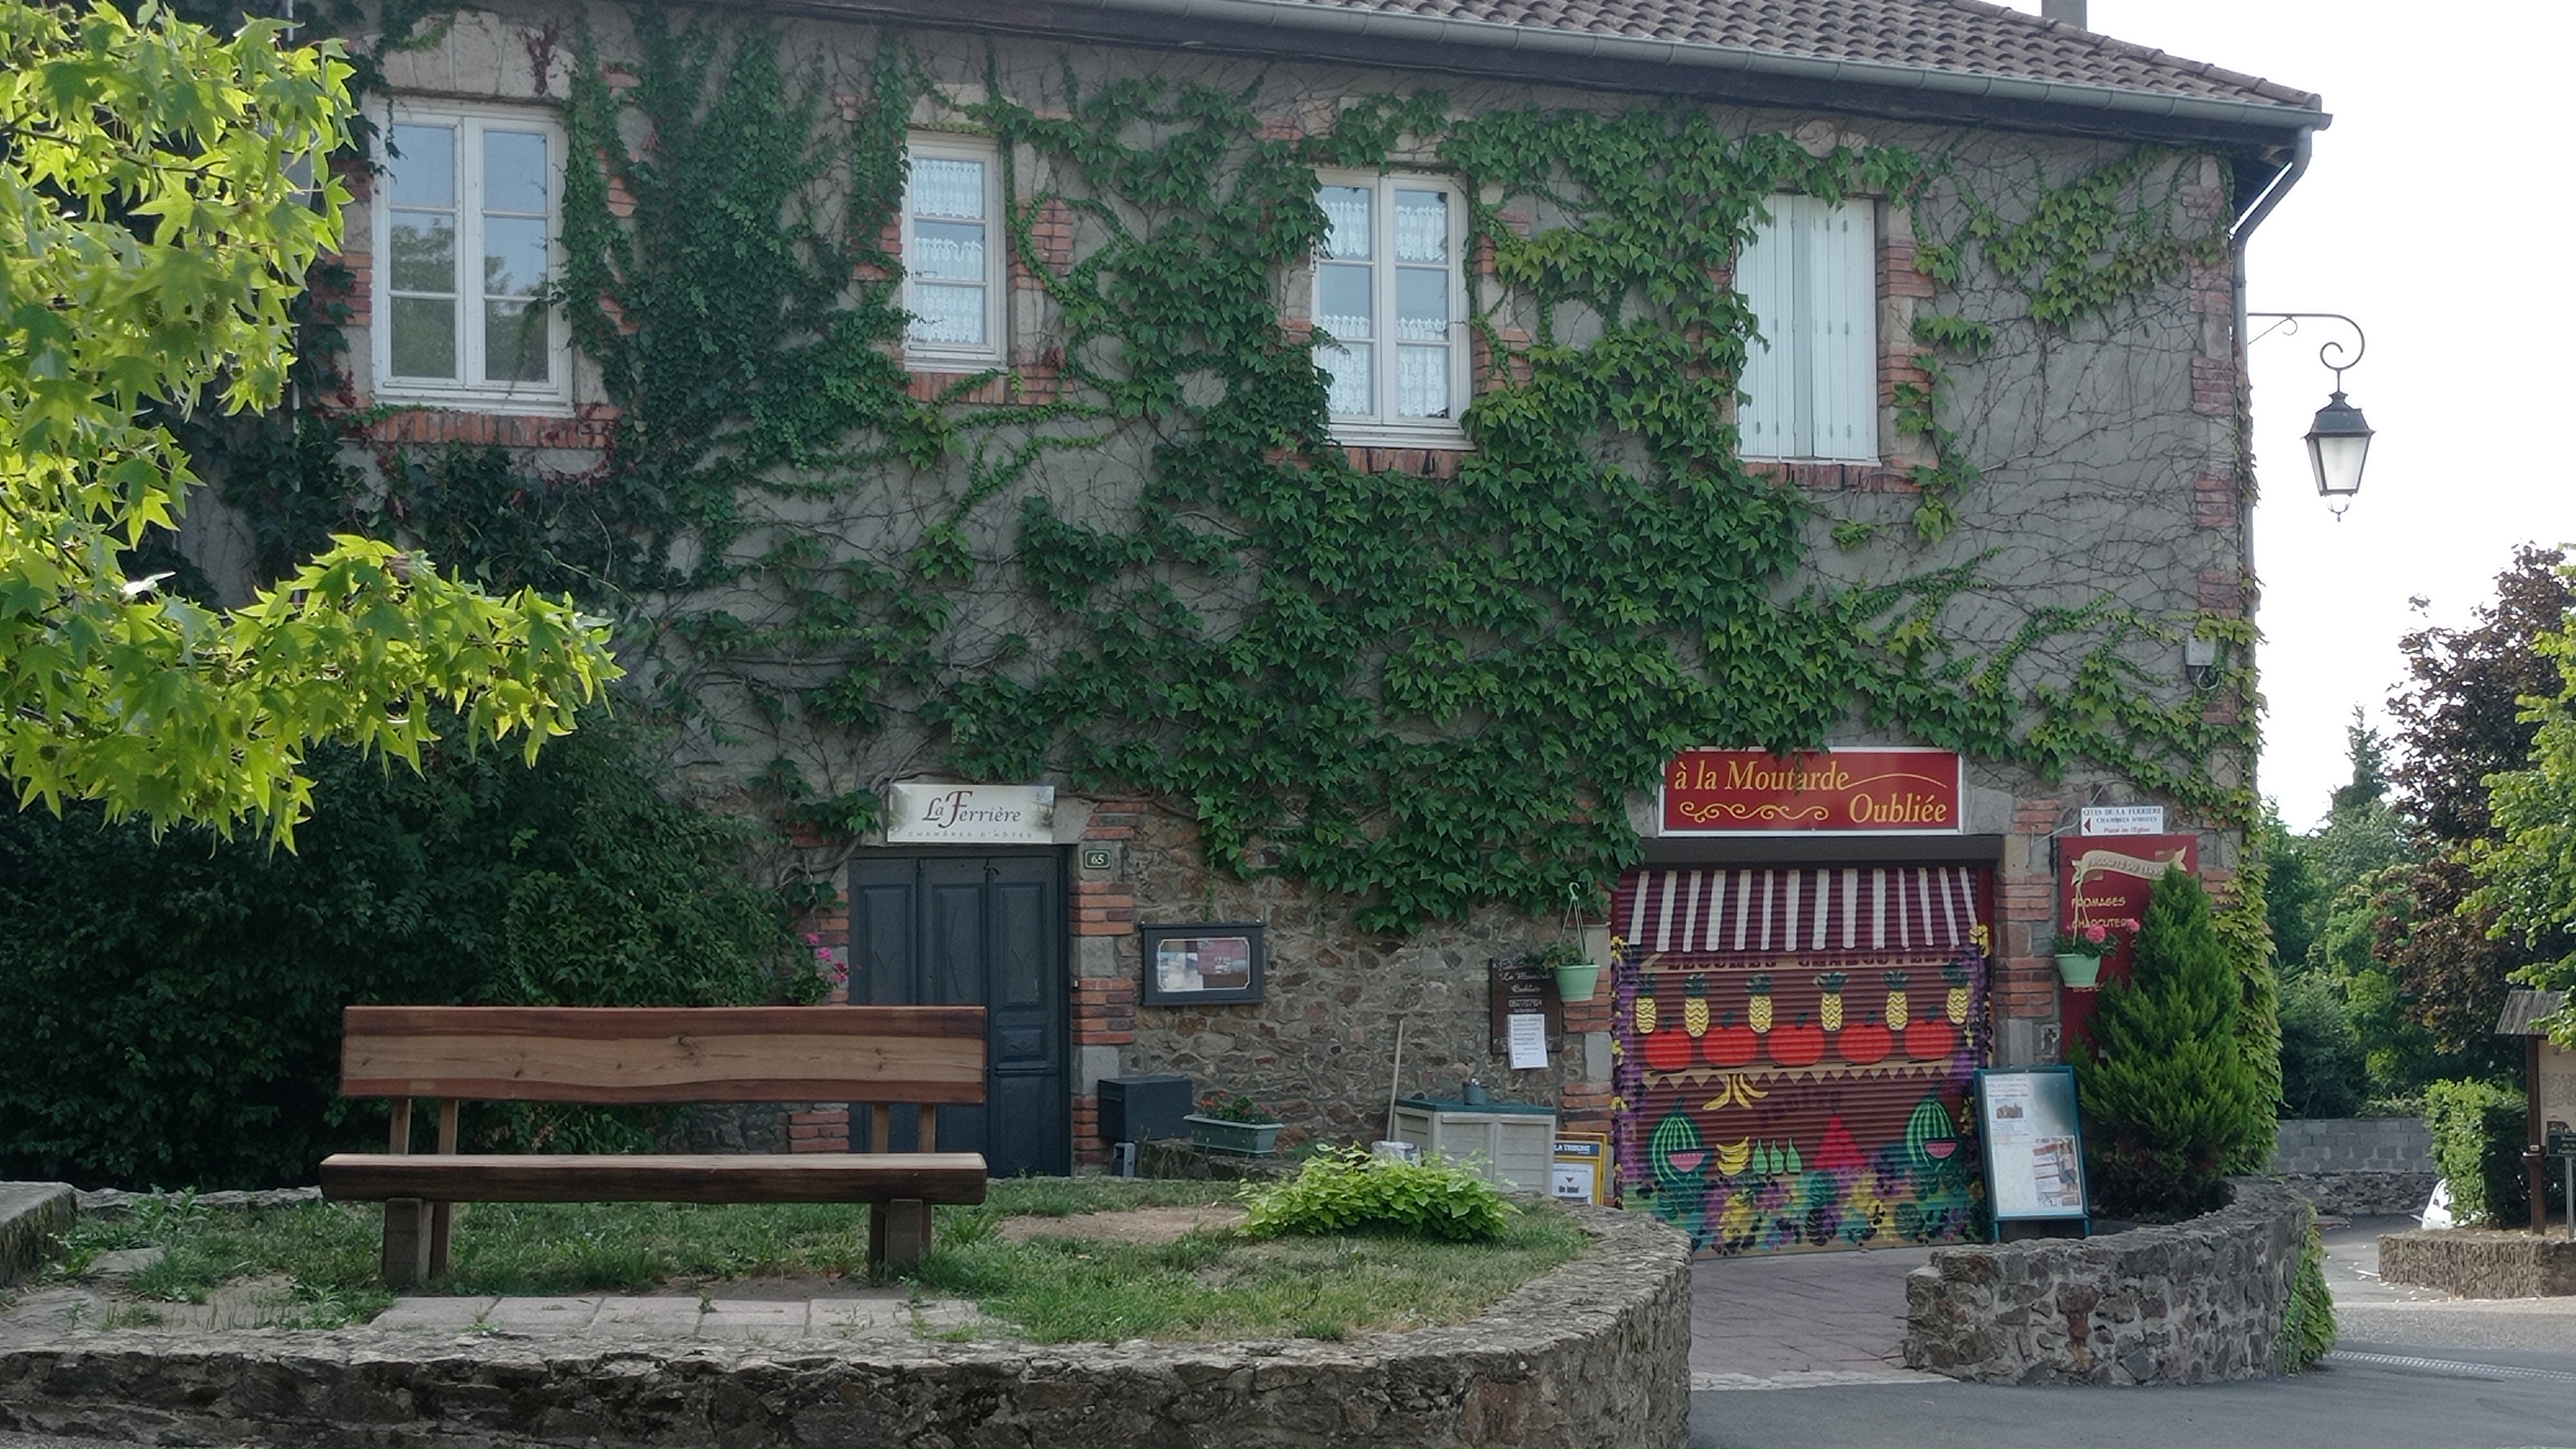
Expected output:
(2107, 878)
(1869, 792)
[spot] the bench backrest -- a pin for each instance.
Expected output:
(619, 1055)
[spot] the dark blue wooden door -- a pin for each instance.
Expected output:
(975, 930)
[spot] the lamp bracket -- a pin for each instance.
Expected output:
(2287, 323)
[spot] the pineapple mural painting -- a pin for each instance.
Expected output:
(1898, 1010)
(1955, 1005)
(1759, 1015)
(1831, 1012)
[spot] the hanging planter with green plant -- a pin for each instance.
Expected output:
(2081, 949)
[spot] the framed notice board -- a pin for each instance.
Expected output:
(1514, 987)
(2034, 1145)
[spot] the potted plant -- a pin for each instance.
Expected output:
(1576, 972)
(2081, 949)
(1235, 1124)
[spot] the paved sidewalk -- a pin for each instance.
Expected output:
(885, 1313)
(1802, 1320)
(893, 1314)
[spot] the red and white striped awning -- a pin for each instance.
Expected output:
(1813, 911)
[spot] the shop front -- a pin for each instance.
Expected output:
(1801, 1001)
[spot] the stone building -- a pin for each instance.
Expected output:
(1869, 369)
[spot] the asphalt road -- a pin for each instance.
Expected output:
(2411, 1368)
(2450, 1397)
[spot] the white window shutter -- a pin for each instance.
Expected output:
(1766, 275)
(1842, 331)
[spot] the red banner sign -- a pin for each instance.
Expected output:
(2107, 878)
(1753, 792)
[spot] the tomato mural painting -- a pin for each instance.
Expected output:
(1801, 1099)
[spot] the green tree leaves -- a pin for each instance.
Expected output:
(152, 238)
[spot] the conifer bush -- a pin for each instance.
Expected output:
(2169, 1099)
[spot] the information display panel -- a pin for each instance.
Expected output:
(2034, 1145)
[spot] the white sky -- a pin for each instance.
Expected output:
(2434, 204)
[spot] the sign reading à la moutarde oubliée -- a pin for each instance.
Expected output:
(1865, 792)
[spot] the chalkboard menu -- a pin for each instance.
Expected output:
(1517, 988)
(2034, 1145)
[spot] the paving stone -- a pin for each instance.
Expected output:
(660, 1316)
(541, 1315)
(451, 1315)
(124, 1262)
(750, 1318)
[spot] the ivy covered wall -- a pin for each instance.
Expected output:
(1420, 693)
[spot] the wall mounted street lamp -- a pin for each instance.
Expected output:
(2339, 439)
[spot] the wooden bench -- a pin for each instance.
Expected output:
(885, 1055)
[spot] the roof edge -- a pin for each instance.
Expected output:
(1397, 28)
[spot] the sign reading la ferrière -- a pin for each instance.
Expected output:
(920, 813)
(1754, 792)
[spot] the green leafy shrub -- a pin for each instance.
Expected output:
(2308, 1328)
(174, 1007)
(2479, 1130)
(2323, 1069)
(2170, 1101)
(1347, 1190)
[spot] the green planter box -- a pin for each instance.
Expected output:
(1249, 1139)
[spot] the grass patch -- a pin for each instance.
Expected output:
(326, 1252)
(1210, 1286)
(1049, 1289)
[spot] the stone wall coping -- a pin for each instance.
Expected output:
(1593, 1352)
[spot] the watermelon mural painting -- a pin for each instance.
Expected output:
(1775, 1100)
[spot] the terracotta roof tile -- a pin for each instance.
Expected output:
(1957, 35)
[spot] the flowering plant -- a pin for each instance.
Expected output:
(2096, 939)
(1236, 1108)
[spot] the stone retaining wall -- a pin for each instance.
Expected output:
(2480, 1263)
(32, 1215)
(2363, 1194)
(2196, 1301)
(1596, 1352)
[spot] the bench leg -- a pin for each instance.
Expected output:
(898, 1234)
(406, 1257)
(442, 1218)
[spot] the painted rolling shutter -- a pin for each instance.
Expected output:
(1766, 275)
(1841, 294)
(1793, 1050)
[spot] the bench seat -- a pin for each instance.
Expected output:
(932, 1177)
(884, 1056)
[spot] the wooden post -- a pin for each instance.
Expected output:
(898, 1234)
(405, 1260)
(2535, 1162)
(442, 1215)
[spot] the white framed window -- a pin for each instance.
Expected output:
(1390, 293)
(952, 252)
(468, 244)
(1811, 378)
